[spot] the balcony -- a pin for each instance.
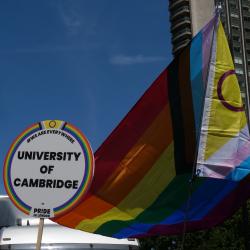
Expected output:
(175, 3)
(178, 46)
(179, 11)
(184, 21)
(182, 34)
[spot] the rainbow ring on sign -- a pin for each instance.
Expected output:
(89, 165)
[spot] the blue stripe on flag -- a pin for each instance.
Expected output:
(197, 79)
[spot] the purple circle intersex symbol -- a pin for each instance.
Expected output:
(221, 97)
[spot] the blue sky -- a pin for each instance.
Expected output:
(85, 62)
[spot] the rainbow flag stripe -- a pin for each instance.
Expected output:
(141, 183)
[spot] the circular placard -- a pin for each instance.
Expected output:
(48, 169)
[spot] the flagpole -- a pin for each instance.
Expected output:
(247, 100)
(194, 173)
(244, 60)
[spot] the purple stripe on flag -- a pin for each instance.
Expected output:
(207, 36)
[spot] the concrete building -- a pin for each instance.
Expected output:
(233, 26)
(180, 20)
(188, 16)
(187, 19)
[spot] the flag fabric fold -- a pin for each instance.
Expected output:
(224, 147)
(143, 168)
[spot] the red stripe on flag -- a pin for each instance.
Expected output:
(131, 128)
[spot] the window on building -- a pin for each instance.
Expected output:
(234, 15)
(246, 18)
(237, 60)
(233, 6)
(237, 49)
(236, 38)
(235, 28)
(239, 71)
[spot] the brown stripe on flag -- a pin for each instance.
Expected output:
(187, 107)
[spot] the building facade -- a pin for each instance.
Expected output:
(180, 20)
(230, 17)
(187, 19)
(188, 16)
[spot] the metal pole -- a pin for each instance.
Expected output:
(244, 59)
(229, 26)
(228, 20)
(194, 174)
(245, 71)
(40, 234)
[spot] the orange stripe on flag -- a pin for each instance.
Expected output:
(92, 206)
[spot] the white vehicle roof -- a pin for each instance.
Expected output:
(56, 234)
(18, 228)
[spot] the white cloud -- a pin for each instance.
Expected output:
(49, 49)
(137, 59)
(75, 21)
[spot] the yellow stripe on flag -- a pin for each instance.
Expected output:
(142, 196)
(224, 124)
